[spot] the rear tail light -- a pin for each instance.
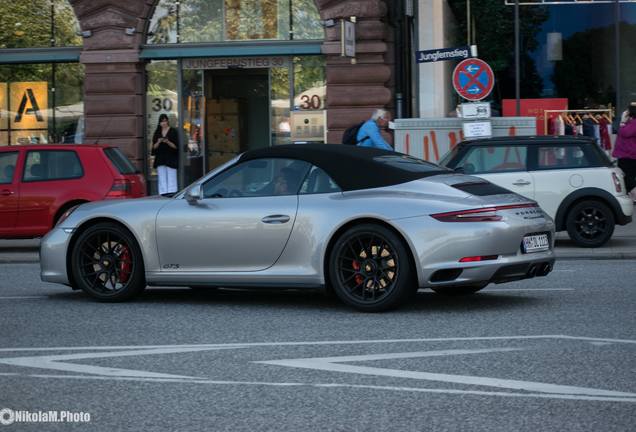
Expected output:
(617, 183)
(120, 189)
(487, 214)
(479, 258)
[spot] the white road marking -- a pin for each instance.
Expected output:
(527, 289)
(341, 385)
(333, 364)
(320, 343)
(55, 362)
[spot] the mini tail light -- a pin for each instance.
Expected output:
(617, 183)
(120, 189)
(487, 214)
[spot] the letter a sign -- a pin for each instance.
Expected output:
(29, 103)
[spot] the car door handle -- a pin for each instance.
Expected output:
(6, 192)
(521, 183)
(276, 219)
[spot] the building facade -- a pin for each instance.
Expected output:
(233, 75)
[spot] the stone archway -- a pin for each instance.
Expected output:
(114, 81)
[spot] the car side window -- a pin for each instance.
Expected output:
(8, 161)
(491, 159)
(318, 182)
(42, 165)
(258, 178)
(560, 157)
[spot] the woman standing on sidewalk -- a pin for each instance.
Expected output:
(625, 149)
(165, 149)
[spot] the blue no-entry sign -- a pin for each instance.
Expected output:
(473, 79)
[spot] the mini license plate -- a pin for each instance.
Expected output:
(536, 243)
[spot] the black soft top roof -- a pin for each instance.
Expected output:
(352, 167)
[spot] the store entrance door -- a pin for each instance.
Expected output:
(227, 112)
(236, 113)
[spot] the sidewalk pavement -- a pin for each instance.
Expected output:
(622, 245)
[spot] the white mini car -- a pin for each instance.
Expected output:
(571, 179)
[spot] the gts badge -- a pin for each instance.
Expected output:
(171, 266)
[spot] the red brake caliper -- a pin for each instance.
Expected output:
(125, 266)
(358, 278)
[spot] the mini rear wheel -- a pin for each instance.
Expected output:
(590, 223)
(107, 263)
(370, 268)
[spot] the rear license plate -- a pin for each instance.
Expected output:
(536, 243)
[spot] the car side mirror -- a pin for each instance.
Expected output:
(194, 194)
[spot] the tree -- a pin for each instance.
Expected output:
(494, 30)
(27, 24)
(586, 75)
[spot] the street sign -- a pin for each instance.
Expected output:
(442, 54)
(475, 110)
(473, 79)
(348, 37)
(480, 129)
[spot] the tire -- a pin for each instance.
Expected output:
(107, 263)
(590, 223)
(458, 291)
(370, 268)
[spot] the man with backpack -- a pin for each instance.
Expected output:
(367, 134)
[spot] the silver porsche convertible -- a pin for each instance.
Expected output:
(372, 226)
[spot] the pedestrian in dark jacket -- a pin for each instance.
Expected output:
(165, 149)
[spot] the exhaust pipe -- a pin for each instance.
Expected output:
(532, 271)
(544, 269)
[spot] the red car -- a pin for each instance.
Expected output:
(38, 183)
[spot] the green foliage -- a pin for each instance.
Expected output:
(27, 24)
(494, 31)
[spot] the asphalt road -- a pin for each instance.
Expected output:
(548, 354)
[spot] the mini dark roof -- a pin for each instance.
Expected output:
(529, 140)
(352, 167)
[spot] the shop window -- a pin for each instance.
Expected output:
(38, 23)
(567, 49)
(41, 103)
(197, 21)
(161, 98)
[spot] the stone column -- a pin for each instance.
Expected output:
(355, 90)
(114, 80)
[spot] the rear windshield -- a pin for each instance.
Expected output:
(120, 161)
(410, 164)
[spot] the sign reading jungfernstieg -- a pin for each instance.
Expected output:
(262, 62)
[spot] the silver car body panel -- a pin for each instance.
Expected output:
(227, 242)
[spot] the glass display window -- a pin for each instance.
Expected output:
(38, 23)
(41, 103)
(201, 21)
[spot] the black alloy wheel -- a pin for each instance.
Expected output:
(369, 268)
(590, 223)
(107, 263)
